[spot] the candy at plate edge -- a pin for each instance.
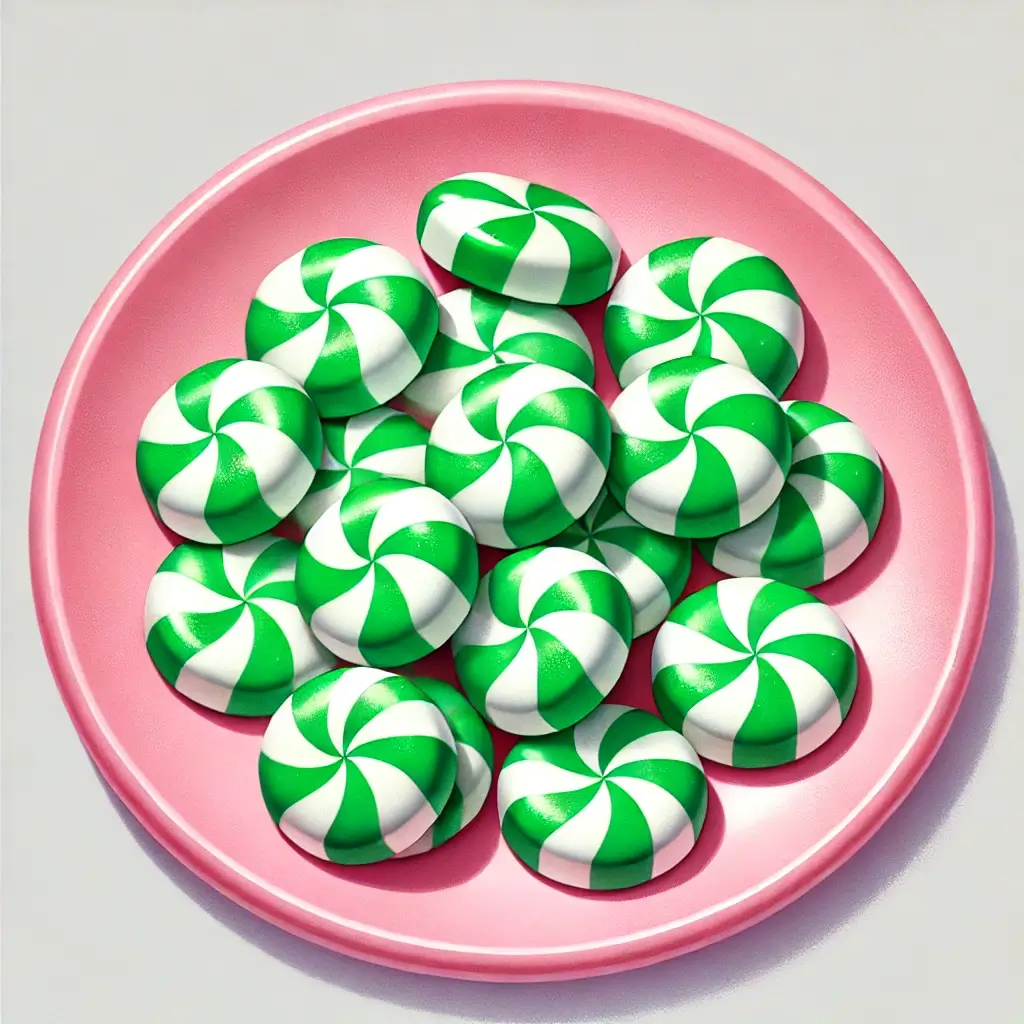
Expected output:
(228, 451)
(518, 238)
(615, 801)
(349, 319)
(223, 627)
(755, 673)
(711, 297)
(356, 765)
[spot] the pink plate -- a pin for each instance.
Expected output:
(916, 602)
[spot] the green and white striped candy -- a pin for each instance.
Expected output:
(828, 510)
(479, 330)
(228, 451)
(546, 640)
(476, 765)
(706, 297)
(517, 238)
(522, 450)
(699, 447)
(609, 804)
(754, 672)
(381, 442)
(356, 765)
(350, 320)
(223, 628)
(387, 573)
(653, 567)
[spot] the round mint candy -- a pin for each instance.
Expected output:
(475, 750)
(522, 450)
(380, 443)
(706, 297)
(518, 238)
(754, 672)
(387, 573)
(653, 567)
(699, 448)
(545, 641)
(223, 627)
(350, 320)
(611, 803)
(356, 765)
(228, 451)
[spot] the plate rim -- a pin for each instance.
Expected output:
(637, 949)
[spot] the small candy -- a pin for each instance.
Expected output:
(387, 573)
(350, 320)
(609, 804)
(653, 567)
(522, 450)
(754, 672)
(228, 451)
(827, 512)
(546, 640)
(700, 447)
(356, 765)
(706, 297)
(476, 765)
(223, 628)
(517, 238)
(381, 442)
(480, 330)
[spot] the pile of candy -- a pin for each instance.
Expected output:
(498, 438)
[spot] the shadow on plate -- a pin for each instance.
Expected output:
(463, 857)
(442, 280)
(255, 726)
(870, 565)
(590, 316)
(703, 973)
(810, 380)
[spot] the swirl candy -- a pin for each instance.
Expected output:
(356, 765)
(387, 573)
(706, 297)
(653, 567)
(828, 510)
(546, 640)
(522, 450)
(517, 238)
(350, 320)
(754, 672)
(228, 451)
(476, 765)
(699, 448)
(611, 803)
(223, 628)
(381, 442)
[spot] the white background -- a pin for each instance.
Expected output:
(910, 112)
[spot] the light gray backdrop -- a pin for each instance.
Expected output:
(910, 112)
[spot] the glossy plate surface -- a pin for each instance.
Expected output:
(915, 603)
